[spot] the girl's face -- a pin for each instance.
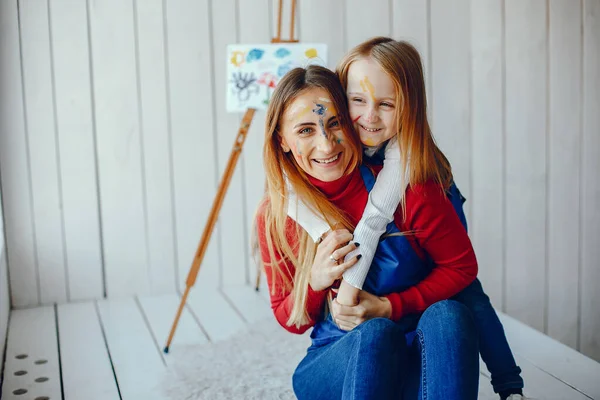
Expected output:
(310, 129)
(372, 102)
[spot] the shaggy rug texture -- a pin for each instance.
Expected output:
(255, 364)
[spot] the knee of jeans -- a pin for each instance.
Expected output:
(453, 314)
(378, 330)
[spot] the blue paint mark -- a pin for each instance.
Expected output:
(254, 55)
(320, 110)
(284, 68)
(339, 141)
(282, 52)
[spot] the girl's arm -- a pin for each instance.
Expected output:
(383, 202)
(442, 238)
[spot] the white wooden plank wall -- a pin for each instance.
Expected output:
(114, 135)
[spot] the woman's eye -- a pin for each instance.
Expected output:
(305, 131)
(357, 100)
(334, 124)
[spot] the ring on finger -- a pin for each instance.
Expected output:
(332, 258)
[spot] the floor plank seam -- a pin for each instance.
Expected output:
(197, 320)
(149, 327)
(60, 370)
(556, 377)
(112, 365)
(232, 305)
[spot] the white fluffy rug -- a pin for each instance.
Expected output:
(255, 364)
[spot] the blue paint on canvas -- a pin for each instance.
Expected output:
(282, 52)
(254, 55)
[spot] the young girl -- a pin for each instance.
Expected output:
(386, 96)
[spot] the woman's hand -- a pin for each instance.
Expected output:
(369, 306)
(325, 269)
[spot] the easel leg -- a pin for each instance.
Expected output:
(238, 144)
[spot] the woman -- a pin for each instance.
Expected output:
(310, 147)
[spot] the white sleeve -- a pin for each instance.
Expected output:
(305, 217)
(379, 212)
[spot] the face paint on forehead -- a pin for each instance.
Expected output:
(299, 110)
(324, 100)
(320, 111)
(367, 86)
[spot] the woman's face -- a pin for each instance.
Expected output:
(310, 129)
(372, 102)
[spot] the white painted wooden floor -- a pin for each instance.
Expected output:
(75, 351)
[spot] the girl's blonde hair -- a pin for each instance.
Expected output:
(282, 169)
(419, 154)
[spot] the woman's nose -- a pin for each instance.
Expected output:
(325, 143)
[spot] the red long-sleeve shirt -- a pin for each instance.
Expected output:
(439, 234)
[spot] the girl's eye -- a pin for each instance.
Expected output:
(305, 131)
(387, 104)
(357, 100)
(334, 124)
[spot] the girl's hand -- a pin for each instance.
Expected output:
(369, 306)
(325, 269)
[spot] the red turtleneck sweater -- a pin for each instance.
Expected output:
(439, 235)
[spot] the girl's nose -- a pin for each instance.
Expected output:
(371, 115)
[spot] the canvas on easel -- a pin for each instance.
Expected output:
(253, 70)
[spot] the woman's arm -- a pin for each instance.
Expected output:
(324, 272)
(280, 290)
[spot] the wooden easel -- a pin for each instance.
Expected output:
(238, 144)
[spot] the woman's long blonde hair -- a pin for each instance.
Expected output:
(420, 156)
(281, 167)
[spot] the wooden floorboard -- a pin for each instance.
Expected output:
(555, 358)
(160, 312)
(248, 302)
(128, 335)
(136, 358)
(86, 365)
(32, 359)
(216, 315)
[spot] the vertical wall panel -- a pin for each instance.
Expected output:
(563, 169)
(254, 27)
(156, 146)
(4, 288)
(190, 87)
(590, 181)
(43, 155)
(75, 128)
(232, 220)
(410, 22)
(451, 113)
(486, 225)
(365, 20)
(323, 22)
(118, 146)
(14, 165)
(526, 102)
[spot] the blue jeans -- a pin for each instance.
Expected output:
(373, 361)
(493, 345)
